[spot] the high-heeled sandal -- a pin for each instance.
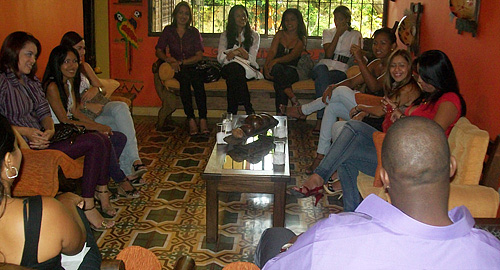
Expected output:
(108, 212)
(138, 170)
(305, 192)
(317, 160)
(105, 224)
(128, 194)
(293, 111)
(193, 128)
(204, 127)
(328, 187)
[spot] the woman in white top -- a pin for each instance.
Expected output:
(337, 44)
(238, 47)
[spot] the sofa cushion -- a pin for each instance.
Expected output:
(468, 144)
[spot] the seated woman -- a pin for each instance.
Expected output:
(239, 40)
(23, 103)
(284, 54)
(185, 48)
(337, 43)
(353, 150)
(35, 231)
(61, 82)
(114, 114)
(340, 98)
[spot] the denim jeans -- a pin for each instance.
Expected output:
(323, 78)
(116, 115)
(352, 151)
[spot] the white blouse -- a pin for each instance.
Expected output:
(252, 54)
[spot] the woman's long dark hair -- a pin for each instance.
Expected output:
(301, 27)
(435, 68)
(176, 10)
(53, 73)
(9, 54)
(7, 140)
(70, 39)
(232, 30)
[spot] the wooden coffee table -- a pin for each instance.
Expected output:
(223, 174)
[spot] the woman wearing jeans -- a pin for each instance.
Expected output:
(353, 150)
(115, 114)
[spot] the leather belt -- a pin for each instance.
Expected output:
(340, 58)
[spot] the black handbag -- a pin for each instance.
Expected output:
(64, 131)
(209, 70)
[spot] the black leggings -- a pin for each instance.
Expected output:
(237, 88)
(188, 76)
(284, 77)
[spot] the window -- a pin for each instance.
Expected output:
(210, 16)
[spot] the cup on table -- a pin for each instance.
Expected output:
(221, 133)
(227, 122)
(280, 131)
(279, 153)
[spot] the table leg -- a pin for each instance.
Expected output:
(279, 204)
(212, 211)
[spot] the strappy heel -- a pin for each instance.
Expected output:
(193, 128)
(105, 224)
(204, 127)
(138, 170)
(329, 189)
(128, 194)
(108, 212)
(304, 192)
(293, 111)
(317, 160)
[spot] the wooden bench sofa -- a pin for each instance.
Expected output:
(262, 91)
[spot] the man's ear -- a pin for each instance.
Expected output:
(384, 177)
(453, 166)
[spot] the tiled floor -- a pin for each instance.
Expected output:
(169, 217)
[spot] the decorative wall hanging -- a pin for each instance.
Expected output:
(126, 28)
(467, 13)
(409, 28)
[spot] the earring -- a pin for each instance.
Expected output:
(387, 188)
(7, 170)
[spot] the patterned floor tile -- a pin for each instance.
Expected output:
(169, 217)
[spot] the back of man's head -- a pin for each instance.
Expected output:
(416, 152)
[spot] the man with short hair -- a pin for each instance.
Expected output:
(416, 231)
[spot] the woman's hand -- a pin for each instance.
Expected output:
(89, 94)
(341, 29)
(357, 52)
(354, 111)
(37, 139)
(267, 72)
(242, 53)
(106, 130)
(391, 108)
(328, 93)
(230, 55)
(48, 134)
(359, 116)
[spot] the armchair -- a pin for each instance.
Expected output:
(468, 144)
